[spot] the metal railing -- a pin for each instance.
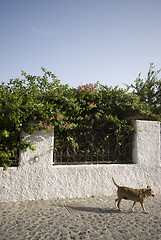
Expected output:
(93, 146)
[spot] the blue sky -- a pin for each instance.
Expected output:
(81, 41)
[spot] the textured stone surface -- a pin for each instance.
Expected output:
(37, 178)
(89, 218)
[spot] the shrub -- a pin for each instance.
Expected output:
(46, 103)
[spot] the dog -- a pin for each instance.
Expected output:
(136, 195)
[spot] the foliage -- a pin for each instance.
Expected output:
(23, 102)
(48, 104)
(149, 90)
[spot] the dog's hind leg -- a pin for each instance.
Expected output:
(116, 200)
(118, 204)
(132, 209)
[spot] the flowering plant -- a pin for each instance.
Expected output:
(48, 104)
(45, 126)
(87, 88)
(91, 105)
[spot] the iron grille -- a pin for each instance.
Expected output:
(91, 146)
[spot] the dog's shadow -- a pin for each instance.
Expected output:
(91, 209)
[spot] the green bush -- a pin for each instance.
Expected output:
(149, 90)
(46, 103)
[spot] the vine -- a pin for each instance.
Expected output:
(48, 104)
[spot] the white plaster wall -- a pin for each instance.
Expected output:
(37, 178)
(147, 143)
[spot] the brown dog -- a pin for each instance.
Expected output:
(136, 195)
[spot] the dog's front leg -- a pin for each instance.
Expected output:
(144, 210)
(132, 209)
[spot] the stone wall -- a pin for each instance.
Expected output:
(37, 177)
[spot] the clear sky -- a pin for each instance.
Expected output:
(81, 41)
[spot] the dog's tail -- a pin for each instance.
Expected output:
(115, 182)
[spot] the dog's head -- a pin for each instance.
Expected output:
(150, 191)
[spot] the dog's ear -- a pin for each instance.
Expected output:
(148, 187)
